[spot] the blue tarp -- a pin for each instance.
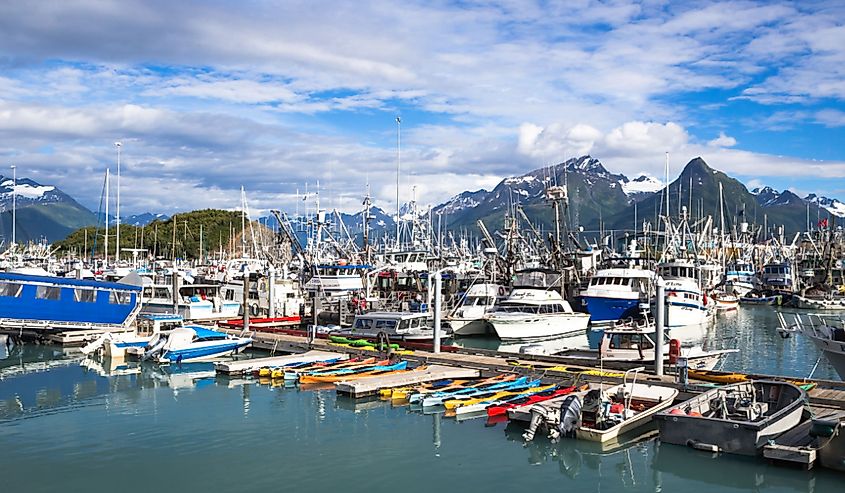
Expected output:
(67, 281)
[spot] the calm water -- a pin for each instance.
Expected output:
(752, 330)
(65, 426)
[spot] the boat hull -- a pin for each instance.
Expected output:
(468, 327)
(521, 326)
(205, 351)
(602, 309)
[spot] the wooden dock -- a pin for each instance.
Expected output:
(797, 446)
(367, 386)
(828, 393)
(248, 365)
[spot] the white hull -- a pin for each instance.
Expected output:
(662, 397)
(468, 327)
(683, 315)
(512, 326)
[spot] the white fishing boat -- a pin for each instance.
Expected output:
(740, 278)
(686, 302)
(604, 414)
(468, 317)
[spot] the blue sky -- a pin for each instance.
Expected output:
(209, 96)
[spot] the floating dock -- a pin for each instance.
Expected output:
(249, 365)
(368, 386)
(797, 446)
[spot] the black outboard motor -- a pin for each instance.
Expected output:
(559, 421)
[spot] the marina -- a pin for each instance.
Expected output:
(417, 247)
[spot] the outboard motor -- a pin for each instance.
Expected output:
(560, 421)
(155, 347)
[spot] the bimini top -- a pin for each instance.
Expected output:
(203, 333)
(66, 281)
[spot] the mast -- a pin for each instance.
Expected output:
(398, 171)
(117, 211)
(106, 247)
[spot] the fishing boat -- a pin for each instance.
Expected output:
(468, 317)
(616, 294)
(535, 314)
(739, 278)
(756, 298)
(824, 303)
(778, 278)
(39, 302)
(686, 302)
(739, 418)
(604, 414)
(190, 343)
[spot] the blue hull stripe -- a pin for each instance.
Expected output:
(203, 352)
(610, 309)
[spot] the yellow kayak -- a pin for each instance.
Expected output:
(726, 378)
(400, 393)
(456, 403)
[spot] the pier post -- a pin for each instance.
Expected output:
(245, 271)
(271, 292)
(659, 323)
(175, 285)
(438, 287)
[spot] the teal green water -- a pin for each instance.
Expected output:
(68, 427)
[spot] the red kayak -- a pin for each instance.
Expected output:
(502, 409)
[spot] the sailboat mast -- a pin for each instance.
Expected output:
(106, 246)
(117, 211)
(398, 171)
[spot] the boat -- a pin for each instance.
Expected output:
(190, 343)
(778, 278)
(115, 344)
(739, 278)
(735, 377)
(824, 303)
(535, 310)
(418, 394)
(820, 439)
(756, 298)
(468, 317)
(828, 338)
(616, 294)
(195, 302)
(686, 302)
(627, 346)
(402, 326)
(39, 302)
(739, 418)
(501, 408)
(438, 398)
(604, 414)
(725, 301)
(488, 398)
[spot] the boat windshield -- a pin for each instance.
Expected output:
(630, 341)
(518, 309)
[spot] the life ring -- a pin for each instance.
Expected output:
(253, 310)
(501, 290)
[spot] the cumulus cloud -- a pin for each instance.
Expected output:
(722, 141)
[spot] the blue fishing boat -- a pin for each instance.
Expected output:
(616, 294)
(59, 303)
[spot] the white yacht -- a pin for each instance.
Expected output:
(535, 310)
(405, 326)
(468, 317)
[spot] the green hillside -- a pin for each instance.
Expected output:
(53, 221)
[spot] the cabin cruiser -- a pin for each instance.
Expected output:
(190, 343)
(114, 345)
(468, 317)
(617, 294)
(404, 326)
(686, 302)
(535, 310)
(200, 302)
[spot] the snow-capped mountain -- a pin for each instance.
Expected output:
(641, 187)
(834, 206)
(28, 192)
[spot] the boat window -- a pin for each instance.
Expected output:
(363, 323)
(11, 289)
(84, 295)
(162, 293)
(385, 324)
(230, 294)
(119, 298)
(48, 293)
(404, 324)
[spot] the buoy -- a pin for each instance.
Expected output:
(674, 351)
(676, 411)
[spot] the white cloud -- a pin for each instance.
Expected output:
(722, 141)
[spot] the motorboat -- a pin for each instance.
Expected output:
(758, 298)
(468, 317)
(829, 338)
(725, 301)
(190, 343)
(114, 345)
(738, 418)
(739, 278)
(626, 346)
(404, 326)
(601, 414)
(616, 294)
(194, 302)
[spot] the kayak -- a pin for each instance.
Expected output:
(484, 401)
(472, 384)
(439, 398)
(361, 365)
(728, 377)
(399, 393)
(343, 376)
(265, 371)
(501, 408)
(280, 371)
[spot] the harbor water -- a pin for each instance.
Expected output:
(68, 424)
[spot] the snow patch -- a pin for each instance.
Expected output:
(26, 190)
(642, 184)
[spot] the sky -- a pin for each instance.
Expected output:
(278, 96)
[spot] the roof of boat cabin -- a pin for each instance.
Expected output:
(393, 315)
(206, 333)
(67, 281)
